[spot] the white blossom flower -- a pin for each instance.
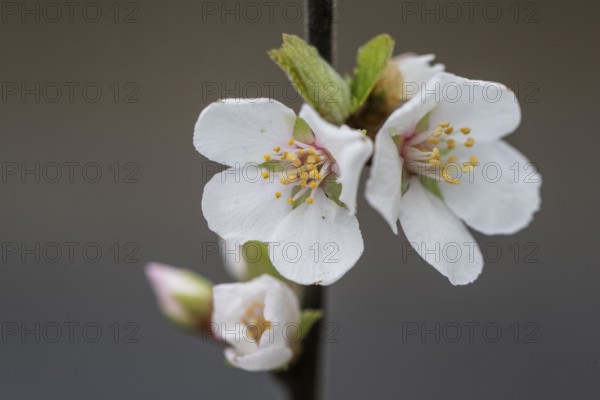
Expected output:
(183, 296)
(444, 140)
(259, 319)
(293, 188)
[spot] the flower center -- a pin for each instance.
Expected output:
(299, 164)
(254, 321)
(429, 153)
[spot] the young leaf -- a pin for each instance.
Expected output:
(371, 61)
(320, 85)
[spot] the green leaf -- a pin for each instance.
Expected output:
(307, 319)
(371, 61)
(320, 85)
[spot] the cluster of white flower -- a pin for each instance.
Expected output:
(293, 181)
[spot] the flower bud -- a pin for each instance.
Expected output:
(183, 296)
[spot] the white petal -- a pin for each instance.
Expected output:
(264, 359)
(438, 235)
(350, 148)
(384, 187)
(404, 120)
(502, 193)
(237, 131)
(490, 109)
(316, 243)
(240, 205)
(417, 70)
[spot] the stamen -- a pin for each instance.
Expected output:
(277, 195)
(465, 130)
(267, 157)
(291, 142)
(265, 174)
(451, 144)
(470, 142)
(449, 130)
(310, 200)
(276, 149)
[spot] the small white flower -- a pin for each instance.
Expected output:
(259, 319)
(183, 296)
(314, 239)
(445, 134)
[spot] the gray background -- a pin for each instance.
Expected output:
(170, 54)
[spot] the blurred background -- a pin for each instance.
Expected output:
(99, 176)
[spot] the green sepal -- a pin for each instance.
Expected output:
(320, 85)
(371, 60)
(333, 189)
(423, 123)
(302, 132)
(404, 184)
(274, 165)
(307, 319)
(261, 264)
(432, 185)
(302, 199)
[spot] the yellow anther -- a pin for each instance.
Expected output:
(284, 180)
(313, 184)
(474, 160)
(435, 153)
(311, 167)
(265, 174)
(311, 151)
(451, 143)
(449, 130)
(292, 156)
(301, 151)
(470, 142)
(284, 156)
(437, 133)
(277, 195)
(302, 183)
(313, 174)
(444, 124)
(465, 130)
(432, 140)
(310, 200)
(449, 179)
(452, 159)
(320, 176)
(276, 149)
(434, 161)
(311, 159)
(291, 142)
(267, 157)
(290, 201)
(304, 176)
